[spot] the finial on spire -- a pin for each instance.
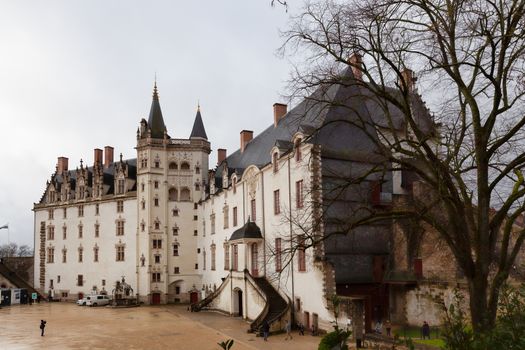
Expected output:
(198, 105)
(155, 91)
(121, 157)
(81, 164)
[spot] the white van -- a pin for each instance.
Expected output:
(98, 300)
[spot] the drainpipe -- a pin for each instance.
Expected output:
(291, 240)
(263, 224)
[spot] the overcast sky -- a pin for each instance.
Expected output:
(78, 75)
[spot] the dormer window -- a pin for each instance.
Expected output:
(120, 186)
(298, 154)
(275, 160)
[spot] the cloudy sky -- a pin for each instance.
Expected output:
(78, 75)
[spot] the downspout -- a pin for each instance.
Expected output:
(291, 240)
(263, 224)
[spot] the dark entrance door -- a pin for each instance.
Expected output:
(194, 297)
(24, 297)
(239, 296)
(155, 298)
(6, 297)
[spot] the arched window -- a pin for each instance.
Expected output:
(157, 224)
(173, 194)
(173, 166)
(185, 194)
(185, 166)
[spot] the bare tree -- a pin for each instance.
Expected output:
(470, 55)
(14, 250)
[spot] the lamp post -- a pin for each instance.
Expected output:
(6, 226)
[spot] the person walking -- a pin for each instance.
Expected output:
(42, 327)
(265, 329)
(301, 329)
(288, 328)
(425, 330)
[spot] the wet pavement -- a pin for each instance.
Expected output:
(147, 327)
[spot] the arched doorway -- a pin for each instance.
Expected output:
(237, 303)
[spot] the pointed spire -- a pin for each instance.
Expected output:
(156, 121)
(198, 126)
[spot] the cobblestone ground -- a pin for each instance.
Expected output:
(147, 327)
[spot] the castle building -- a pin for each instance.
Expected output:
(256, 236)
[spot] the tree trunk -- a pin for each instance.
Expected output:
(483, 318)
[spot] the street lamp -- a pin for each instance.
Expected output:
(6, 226)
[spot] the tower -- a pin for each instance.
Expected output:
(171, 176)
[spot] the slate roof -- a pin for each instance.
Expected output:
(249, 230)
(198, 127)
(155, 120)
(338, 116)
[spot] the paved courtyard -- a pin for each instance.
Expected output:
(147, 327)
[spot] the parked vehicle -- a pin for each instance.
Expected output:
(82, 302)
(98, 300)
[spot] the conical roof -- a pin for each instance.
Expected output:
(155, 120)
(198, 126)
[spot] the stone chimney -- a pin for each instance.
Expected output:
(108, 156)
(246, 136)
(221, 155)
(356, 61)
(97, 156)
(408, 77)
(62, 165)
(279, 110)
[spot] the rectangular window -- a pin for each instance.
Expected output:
(50, 255)
(276, 202)
(177, 290)
(278, 262)
(64, 256)
(195, 232)
(51, 214)
(80, 280)
(120, 206)
(155, 277)
(301, 254)
(120, 253)
(157, 244)
(80, 210)
(253, 210)
(176, 270)
(226, 257)
(97, 230)
(157, 259)
(80, 255)
(299, 194)
(212, 219)
(175, 250)
(58, 279)
(195, 206)
(213, 257)
(175, 212)
(95, 254)
(103, 283)
(65, 213)
(97, 209)
(196, 266)
(64, 232)
(235, 257)
(226, 216)
(203, 259)
(120, 228)
(51, 232)
(234, 216)
(80, 231)
(121, 186)
(175, 231)
(195, 218)
(156, 201)
(156, 184)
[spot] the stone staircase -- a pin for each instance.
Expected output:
(276, 304)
